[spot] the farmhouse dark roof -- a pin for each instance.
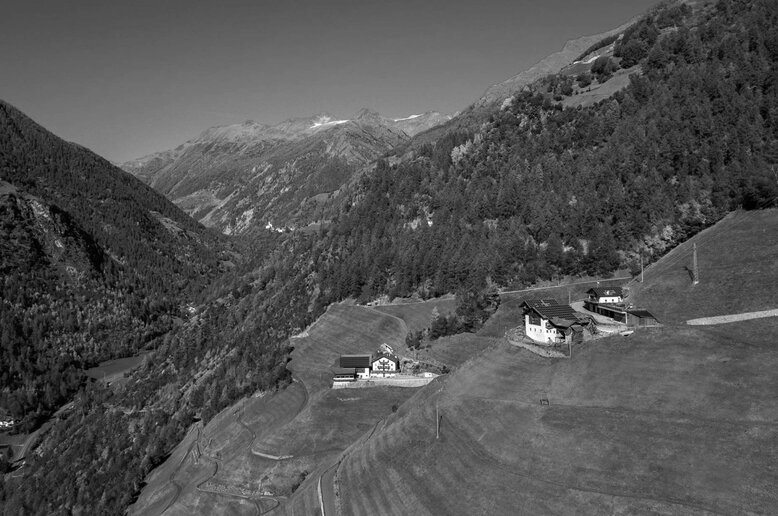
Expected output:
(606, 291)
(550, 309)
(356, 360)
(391, 357)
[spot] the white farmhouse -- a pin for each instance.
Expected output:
(606, 295)
(548, 322)
(385, 365)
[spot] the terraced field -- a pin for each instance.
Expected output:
(738, 271)
(675, 421)
(342, 330)
(264, 444)
(457, 349)
(417, 316)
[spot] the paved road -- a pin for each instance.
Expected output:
(724, 319)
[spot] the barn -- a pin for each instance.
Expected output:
(361, 363)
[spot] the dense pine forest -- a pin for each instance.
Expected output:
(94, 266)
(542, 190)
(539, 190)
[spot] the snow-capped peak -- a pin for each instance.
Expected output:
(406, 118)
(326, 121)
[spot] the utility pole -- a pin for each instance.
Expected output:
(696, 269)
(641, 266)
(437, 422)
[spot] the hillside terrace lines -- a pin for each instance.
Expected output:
(417, 316)
(229, 437)
(607, 413)
(567, 494)
(341, 330)
(330, 477)
(150, 500)
(448, 464)
(458, 349)
(430, 484)
(279, 411)
(583, 446)
(691, 362)
(334, 421)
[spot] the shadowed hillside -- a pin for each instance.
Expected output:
(94, 265)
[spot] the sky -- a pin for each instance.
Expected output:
(129, 77)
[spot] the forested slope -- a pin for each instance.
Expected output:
(537, 191)
(94, 265)
(543, 190)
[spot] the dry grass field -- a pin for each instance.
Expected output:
(307, 425)
(675, 421)
(417, 316)
(738, 271)
(671, 420)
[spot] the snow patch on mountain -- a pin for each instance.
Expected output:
(406, 118)
(326, 121)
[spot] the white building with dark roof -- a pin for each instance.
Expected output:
(549, 322)
(385, 365)
(606, 295)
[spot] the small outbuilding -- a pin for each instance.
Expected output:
(606, 295)
(344, 374)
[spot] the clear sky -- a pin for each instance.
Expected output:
(129, 77)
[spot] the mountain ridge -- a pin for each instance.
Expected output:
(240, 176)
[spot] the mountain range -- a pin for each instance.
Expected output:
(278, 176)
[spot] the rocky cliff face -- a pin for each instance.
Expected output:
(281, 176)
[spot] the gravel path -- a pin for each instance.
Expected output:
(723, 319)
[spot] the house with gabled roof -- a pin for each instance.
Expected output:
(549, 322)
(606, 295)
(385, 364)
(609, 302)
(360, 363)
